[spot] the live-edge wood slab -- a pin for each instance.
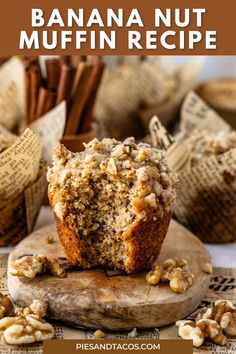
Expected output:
(102, 299)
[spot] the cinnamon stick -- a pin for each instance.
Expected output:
(95, 80)
(65, 59)
(46, 101)
(27, 94)
(30, 61)
(65, 83)
(53, 72)
(34, 89)
(80, 96)
(76, 59)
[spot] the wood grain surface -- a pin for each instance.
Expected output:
(103, 299)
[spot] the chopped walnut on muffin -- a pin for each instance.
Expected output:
(112, 203)
(203, 145)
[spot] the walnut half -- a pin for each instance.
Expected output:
(31, 266)
(23, 330)
(224, 313)
(201, 330)
(212, 323)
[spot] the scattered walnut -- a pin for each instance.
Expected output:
(213, 321)
(188, 330)
(228, 323)
(207, 268)
(154, 276)
(49, 239)
(30, 266)
(6, 306)
(211, 330)
(221, 307)
(56, 268)
(224, 313)
(173, 271)
(28, 329)
(180, 280)
(170, 265)
(203, 329)
(98, 334)
(133, 333)
(38, 307)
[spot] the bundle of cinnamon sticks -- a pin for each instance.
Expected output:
(75, 79)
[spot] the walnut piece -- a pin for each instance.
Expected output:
(207, 268)
(49, 239)
(201, 330)
(98, 334)
(212, 330)
(133, 333)
(212, 323)
(6, 306)
(188, 330)
(38, 307)
(224, 313)
(176, 273)
(153, 277)
(228, 323)
(173, 271)
(180, 280)
(30, 266)
(170, 265)
(28, 329)
(56, 268)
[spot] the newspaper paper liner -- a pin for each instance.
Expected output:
(50, 128)
(206, 200)
(196, 114)
(12, 106)
(20, 189)
(34, 197)
(223, 286)
(19, 213)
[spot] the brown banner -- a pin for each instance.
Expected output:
(216, 16)
(118, 346)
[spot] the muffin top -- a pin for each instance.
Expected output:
(204, 145)
(138, 169)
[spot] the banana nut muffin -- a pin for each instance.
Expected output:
(112, 203)
(203, 145)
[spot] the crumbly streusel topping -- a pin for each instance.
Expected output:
(205, 145)
(109, 186)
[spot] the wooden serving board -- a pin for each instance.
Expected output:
(103, 299)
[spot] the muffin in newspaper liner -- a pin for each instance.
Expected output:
(19, 214)
(132, 91)
(206, 200)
